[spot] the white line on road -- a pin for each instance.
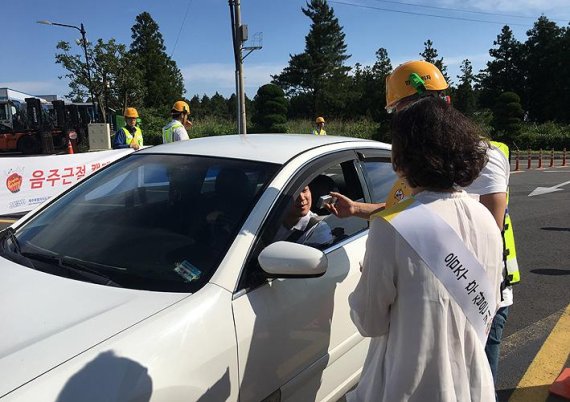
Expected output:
(546, 190)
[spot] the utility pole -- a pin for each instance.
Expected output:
(88, 67)
(240, 30)
(239, 37)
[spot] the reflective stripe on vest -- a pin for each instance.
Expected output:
(511, 264)
(168, 131)
(129, 137)
(449, 259)
(317, 132)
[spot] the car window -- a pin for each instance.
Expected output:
(379, 176)
(153, 222)
(317, 227)
(307, 221)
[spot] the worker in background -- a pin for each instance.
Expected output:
(176, 129)
(408, 83)
(129, 136)
(320, 129)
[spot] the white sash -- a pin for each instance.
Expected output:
(449, 259)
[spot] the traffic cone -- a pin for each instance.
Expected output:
(69, 147)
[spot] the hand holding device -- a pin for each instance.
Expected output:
(325, 199)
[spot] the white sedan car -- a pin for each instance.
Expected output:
(166, 276)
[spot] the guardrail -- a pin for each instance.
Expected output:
(548, 157)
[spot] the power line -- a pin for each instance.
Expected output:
(181, 26)
(461, 10)
(425, 14)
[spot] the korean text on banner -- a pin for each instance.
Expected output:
(26, 182)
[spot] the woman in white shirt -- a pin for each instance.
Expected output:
(423, 347)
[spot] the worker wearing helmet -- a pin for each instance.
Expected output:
(320, 130)
(129, 136)
(407, 84)
(176, 129)
(411, 81)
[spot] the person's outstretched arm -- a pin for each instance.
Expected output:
(344, 207)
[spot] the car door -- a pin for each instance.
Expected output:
(295, 337)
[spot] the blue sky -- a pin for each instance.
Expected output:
(197, 34)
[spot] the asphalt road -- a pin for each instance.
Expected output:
(542, 232)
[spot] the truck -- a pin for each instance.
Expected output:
(32, 125)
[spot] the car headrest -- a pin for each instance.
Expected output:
(321, 185)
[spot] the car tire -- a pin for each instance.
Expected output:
(28, 145)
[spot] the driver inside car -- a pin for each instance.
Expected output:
(301, 225)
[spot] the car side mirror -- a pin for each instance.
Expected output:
(284, 259)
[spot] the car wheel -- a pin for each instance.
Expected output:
(28, 144)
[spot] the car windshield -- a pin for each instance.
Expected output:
(152, 222)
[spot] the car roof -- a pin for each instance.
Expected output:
(273, 148)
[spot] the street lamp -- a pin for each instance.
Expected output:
(84, 43)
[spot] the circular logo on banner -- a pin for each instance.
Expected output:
(14, 182)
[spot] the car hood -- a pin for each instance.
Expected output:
(47, 319)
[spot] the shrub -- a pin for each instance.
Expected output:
(358, 128)
(548, 135)
(270, 110)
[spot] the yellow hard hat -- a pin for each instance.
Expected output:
(411, 78)
(131, 112)
(320, 120)
(180, 107)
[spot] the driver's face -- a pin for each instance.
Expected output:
(303, 202)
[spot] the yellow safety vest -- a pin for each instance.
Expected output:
(510, 251)
(129, 137)
(322, 132)
(168, 130)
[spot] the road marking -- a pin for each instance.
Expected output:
(8, 220)
(547, 364)
(546, 190)
(532, 333)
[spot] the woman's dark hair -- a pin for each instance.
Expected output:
(435, 146)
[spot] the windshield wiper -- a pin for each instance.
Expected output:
(9, 233)
(73, 265)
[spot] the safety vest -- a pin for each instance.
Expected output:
(510, 252)
(137, 136)
(168, 131)
(321, 132)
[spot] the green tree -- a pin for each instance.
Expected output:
(367, 98)
(464, 99)
(319, 73)
(507, 115)
(270, 110)
(504, 72)
(160, 74)
(196, 109)
(115, 81)
(218, 106)
(431, 56)
(546, 69)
